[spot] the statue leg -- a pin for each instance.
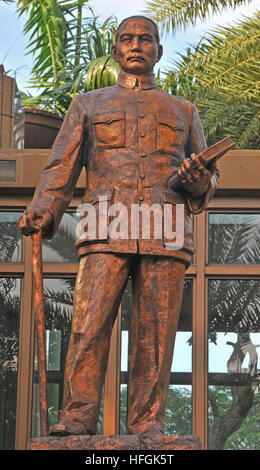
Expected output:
(99, 286)
(157, 296)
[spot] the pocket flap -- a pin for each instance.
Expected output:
(105, 118)
(170, 121)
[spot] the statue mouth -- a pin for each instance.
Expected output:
(135, 59)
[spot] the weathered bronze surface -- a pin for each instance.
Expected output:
(131, 138)
(38, 308)
(116, 443)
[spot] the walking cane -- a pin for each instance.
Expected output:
(38, 308)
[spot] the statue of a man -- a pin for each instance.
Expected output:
(131, 137)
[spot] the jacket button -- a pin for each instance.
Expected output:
(141, 198)
(142, 176)
(142, 133)
(143, 154)
(141, 115)
(108, 119)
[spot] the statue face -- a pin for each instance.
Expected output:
(137, 49)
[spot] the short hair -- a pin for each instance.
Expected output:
(140, 17)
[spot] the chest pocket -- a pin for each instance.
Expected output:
(170, 132)
(109, 130)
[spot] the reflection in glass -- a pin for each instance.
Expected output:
(234, 238)
(10, 238)
(179, 403)
(18, 127)
(182, 358)
(8, 171)
(9, 350)
(58, 294)
(179, 395)
(123, 409)
(178, 410)
(125, 354)
(234, 373)
(61, 248)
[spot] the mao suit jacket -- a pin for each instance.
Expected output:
(130, 138)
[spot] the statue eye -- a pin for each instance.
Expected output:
(126, 39)
(145, 39)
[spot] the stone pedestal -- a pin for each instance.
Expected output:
(113, 442)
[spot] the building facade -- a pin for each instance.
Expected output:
(214, 390)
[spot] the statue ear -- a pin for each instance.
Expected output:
(114, 52)
(160, 52)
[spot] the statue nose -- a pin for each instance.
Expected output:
(135, 45)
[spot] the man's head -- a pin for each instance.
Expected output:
(137, 47)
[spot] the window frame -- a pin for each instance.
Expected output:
(200, 272)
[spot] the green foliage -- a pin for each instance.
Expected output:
(69, 51)
(247, 436)
(234, 304)
(178, 411)
(176, 14)
(221, 75)
(102, 72)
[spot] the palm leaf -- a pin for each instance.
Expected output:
(176, 14)
(234, 305)
(101, 72)
(71, 52)
(221, 75)
(58, 304)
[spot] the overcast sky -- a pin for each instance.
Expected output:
(13, 42)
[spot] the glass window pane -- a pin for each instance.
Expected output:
(61, 248)
(58, 295)
(234, 339)
(125, 353)
(182, 358)
(18, 126)
(178, 410)
(8, 170)
(179, 402)
(234, 238)
(9, 350)
(10, 238)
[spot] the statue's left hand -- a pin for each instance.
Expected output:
(194, 176)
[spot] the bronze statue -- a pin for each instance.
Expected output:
(132, 138)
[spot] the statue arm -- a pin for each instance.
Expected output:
(196, 143)
(57, 181)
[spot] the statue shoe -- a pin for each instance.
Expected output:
(68, 427)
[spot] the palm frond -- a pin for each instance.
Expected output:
(234, 305)
(66, 47)
(221, 75)
(177, 14)
(101, 72)
(236, 241)
(58, 304)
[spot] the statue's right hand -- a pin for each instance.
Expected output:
(34, 220)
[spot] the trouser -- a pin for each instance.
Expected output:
(157, 286)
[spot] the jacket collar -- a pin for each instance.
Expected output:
(127, 80)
